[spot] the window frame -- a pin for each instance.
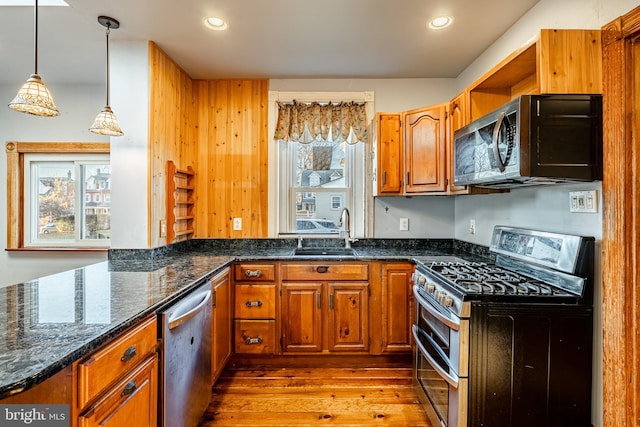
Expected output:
(16, 151)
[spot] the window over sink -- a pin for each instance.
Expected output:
(319, 177)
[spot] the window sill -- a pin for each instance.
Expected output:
(50, 249)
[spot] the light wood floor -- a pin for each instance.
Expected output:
(272, 396)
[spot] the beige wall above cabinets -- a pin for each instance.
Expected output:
(218, 128)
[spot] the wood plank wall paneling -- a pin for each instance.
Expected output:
(232, 158)
(621, 224)
(219, 128)
(172, 123)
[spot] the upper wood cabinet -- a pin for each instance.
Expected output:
(457, 117)
(558, 61)
(425, 149)
(389, 154)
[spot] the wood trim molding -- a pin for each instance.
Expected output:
(621, 229)
(15, 178)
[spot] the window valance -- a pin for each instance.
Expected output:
(307, 122)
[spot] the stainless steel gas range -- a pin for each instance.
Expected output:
(507, 343)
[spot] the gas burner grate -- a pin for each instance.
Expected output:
(487, 279)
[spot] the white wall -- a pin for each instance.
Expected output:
(129, 153)
(78, 107)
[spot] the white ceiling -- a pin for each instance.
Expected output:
(266, 38)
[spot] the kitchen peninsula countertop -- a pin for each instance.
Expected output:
(48, 323)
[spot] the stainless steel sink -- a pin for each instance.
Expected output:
(325, 251)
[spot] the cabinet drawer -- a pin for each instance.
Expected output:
(112, 361)
(255, 272)
(255, 301)
(255, 336)
(325, 271)
(132, 401)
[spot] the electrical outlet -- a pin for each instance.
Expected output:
(583, 201)
(237, 224)
(472, 226)
(163, 228)
(404, 224)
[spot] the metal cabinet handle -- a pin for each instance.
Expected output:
(249, 340)
(319, 299)
(129, 354)
(253, 303)
(253, 273)
(331, 301)
(129, 388)
(322, 269)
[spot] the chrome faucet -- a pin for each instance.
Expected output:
(346, 221)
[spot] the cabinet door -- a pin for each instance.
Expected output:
(389, 153)
(425, 139)
(302, 317)
(132, 402)
(348, 317)
(456, 119)
(397, 307)
(221, 323)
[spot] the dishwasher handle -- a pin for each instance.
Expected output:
(175, 322)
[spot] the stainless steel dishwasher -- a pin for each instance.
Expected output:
(186, 358)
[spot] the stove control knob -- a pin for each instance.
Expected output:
(422, 280)
(431, 288)
(448, 301)
(440, 296)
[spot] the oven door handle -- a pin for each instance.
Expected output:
(452, 379)
(435, 313)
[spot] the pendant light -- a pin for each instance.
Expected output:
(34, 97)
(106, 122)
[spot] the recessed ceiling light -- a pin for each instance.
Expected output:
(440, 22)
(214, 23)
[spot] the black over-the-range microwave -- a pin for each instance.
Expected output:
(532, 140)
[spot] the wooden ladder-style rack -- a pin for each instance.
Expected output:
(180, 202)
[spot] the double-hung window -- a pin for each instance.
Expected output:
(319, 176)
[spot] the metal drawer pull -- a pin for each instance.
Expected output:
(322, 269)
(129, 353)
(250, 341)
(253, 273)
(253, 303)
(129, 388)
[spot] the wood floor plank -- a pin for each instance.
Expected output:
(313, 397)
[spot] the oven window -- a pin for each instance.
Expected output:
(440, 332)
(434, 386)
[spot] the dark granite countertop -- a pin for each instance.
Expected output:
(48, 323)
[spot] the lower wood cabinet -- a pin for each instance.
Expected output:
(132, 402)
(330, 315)
(255, 308)
(398, 309)
(118, 383)
(221, 320)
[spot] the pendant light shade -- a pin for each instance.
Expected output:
(106, 122)
(34, 97)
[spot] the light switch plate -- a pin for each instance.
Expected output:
(237, 224)
(583, 201)
(404, 224)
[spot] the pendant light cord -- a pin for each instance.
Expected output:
(35, 38)
(108, 31)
